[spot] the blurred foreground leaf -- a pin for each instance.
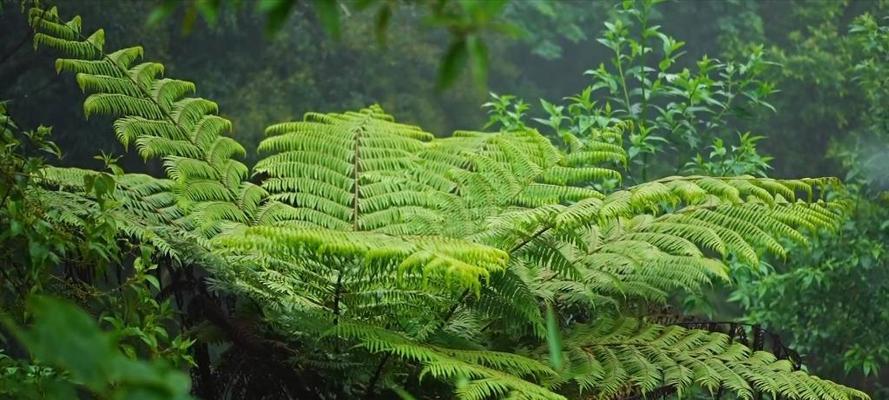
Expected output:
(64, 336)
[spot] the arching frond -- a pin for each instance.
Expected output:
(155, 114)
(490, 374)
(616, 357)
(353, 169)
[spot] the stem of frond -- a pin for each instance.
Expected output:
(356, 171)
(337, 293)
(376, 376)
(453, 309)
(530, 238)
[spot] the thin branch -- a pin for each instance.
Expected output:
(24, 40)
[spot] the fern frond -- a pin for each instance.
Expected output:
(155, 114)
(447, 261)
(359, 169)
(612, 356)
(147, 210)
(491, 374)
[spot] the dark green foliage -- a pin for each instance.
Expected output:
(795, 300)
(674, 110)
(465, 22)
(827, 290)
(83, 356)
(830, 298)
(55, 242)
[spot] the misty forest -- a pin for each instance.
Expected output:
(444, 199)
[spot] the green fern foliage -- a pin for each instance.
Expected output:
(145, 207)
(604, 357)
(353, 171)
(394, 257)
(156, 115)
(569, 244)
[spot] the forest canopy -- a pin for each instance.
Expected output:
(464, 199)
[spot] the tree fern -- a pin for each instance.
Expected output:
(383, 248)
